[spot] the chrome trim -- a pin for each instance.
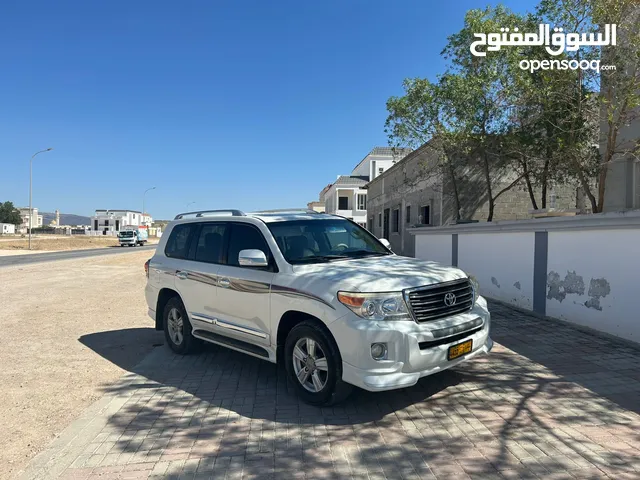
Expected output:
(240, 328)
(456, 329)
(228, 325)
(407, 291)
(203, 318)
(294, 292)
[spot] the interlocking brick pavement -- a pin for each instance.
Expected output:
(551, 401)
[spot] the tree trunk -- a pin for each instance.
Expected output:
(456, 194)
(487, 177)
(527, 179)
(545, 173)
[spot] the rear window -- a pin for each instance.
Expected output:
(179, 240)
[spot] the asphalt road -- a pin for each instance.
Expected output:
(67, 254)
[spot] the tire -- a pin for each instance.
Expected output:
(177, 329)
(321, 387)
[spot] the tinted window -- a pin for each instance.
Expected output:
(210, 242)
(178, 243)
(245, 237)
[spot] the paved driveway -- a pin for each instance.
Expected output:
(550, 402)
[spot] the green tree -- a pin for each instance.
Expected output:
(419, 118)
(9, 214)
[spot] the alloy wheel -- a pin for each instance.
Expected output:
(310, 364)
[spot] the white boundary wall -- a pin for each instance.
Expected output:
(582, 269)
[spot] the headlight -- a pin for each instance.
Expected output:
(376, 306)
(476, 288)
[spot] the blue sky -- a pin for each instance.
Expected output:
(243, 104)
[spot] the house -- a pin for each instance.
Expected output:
(347, 195)
(110, 222)
(36, 220)
(411, 193)
(7, 228)
(316, 206)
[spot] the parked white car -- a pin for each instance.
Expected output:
(317, 292)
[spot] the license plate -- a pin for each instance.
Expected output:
(460, 349)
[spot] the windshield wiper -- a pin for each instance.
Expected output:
(319, 258)
(362, 253)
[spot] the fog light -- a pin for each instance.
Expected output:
(379, 351)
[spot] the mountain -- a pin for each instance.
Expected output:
(65, 219)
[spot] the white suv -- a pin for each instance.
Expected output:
(317, 292)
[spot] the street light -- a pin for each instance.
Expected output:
(143, 195)
(31, 191)
(189, 204)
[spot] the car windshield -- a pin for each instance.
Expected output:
(126, 234)
(316, 241)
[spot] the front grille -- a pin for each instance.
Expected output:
(428, 303)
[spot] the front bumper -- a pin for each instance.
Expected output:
(414, 350)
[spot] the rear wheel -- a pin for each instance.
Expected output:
(177, 328)
(314, 365)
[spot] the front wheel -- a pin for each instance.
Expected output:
(314, 365)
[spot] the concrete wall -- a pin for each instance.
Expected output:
(581, 269)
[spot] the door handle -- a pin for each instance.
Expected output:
(182, 275)
(224, 283)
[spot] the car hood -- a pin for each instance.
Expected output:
(379, 274)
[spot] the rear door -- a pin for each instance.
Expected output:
(197, 278)
(243, 302)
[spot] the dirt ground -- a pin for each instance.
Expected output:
(62, 243)
(61, 321)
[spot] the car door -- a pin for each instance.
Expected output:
(197, 280)
(243, 303)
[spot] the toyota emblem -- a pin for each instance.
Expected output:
(450, 299)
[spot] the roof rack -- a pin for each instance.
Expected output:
(201, 213)
(287, 210)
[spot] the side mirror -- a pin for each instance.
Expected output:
(252, 258)
(385, 242)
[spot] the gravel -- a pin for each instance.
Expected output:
(71, 328)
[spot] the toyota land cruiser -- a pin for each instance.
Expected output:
(317, 292)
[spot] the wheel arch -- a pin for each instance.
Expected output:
(164, 295)
(288, 321)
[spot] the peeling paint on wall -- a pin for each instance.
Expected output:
(598, 288)
(494, 280)
(574, 284)
(555, 285)
(517, 285)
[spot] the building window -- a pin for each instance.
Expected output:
(343, 203)
(396, 220)
(385, 229)
(380, 170)
(425, 213)
(379, 220)
(370, 228)
(407, 214)
(362, 201)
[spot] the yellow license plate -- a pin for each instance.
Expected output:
(460, 349)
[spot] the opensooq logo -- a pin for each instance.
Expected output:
(555, 43)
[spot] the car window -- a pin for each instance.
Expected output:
(178, 243)
(245, 237)
(303, 241)
(210, 242)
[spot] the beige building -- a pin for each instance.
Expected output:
(411, 194)
(36, 220)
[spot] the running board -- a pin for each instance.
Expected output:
(231, 342)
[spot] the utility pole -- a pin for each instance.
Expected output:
(30, 224)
